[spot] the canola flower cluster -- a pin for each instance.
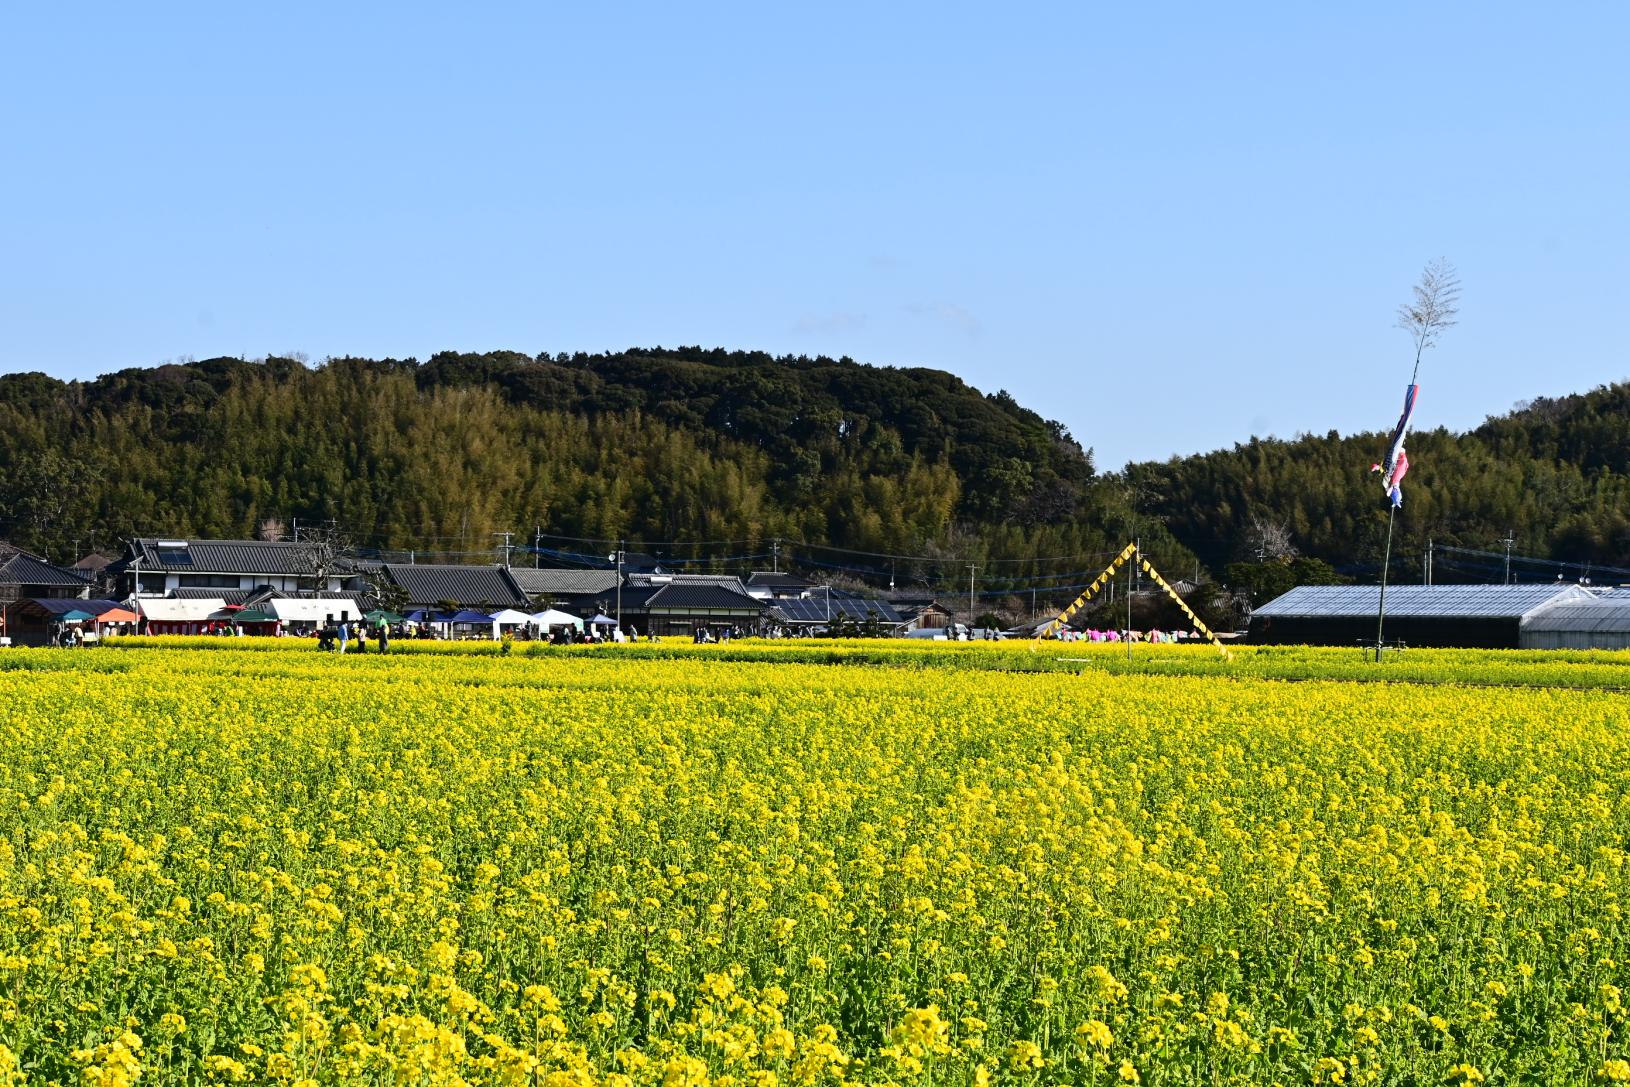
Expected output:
(1587, 668)
(271, 865)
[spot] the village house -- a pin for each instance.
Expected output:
(427, 587)
(651, 602)
(574, 591)
(25, 577)
(774, 585)
(154, 567)
(920, 611)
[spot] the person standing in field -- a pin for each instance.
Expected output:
(345, 636)
(384, 636)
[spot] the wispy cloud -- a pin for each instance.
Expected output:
(948, 313)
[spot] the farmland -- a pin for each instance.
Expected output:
(778, 863)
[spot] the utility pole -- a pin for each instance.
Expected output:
(1131, 573)
(775, 555)
(297, 530)
(621, 544)
(1509, 541)
(1381, 602)
(971, 569)
(537, 545)
(506, 536)
(1429, 560)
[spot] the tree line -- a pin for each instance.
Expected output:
(690, 444)
(668, 445)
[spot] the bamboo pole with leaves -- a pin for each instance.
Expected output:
(1434, 306)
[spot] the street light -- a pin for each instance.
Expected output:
(617, 557)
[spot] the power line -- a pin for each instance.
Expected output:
(1531, 560)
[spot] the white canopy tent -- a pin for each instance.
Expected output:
(163, 615)
(165, 610)
(309, 612)
(510, 617)
(554, 617)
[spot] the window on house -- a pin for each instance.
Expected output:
(209, 581)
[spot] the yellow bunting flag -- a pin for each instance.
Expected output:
(1103, 579)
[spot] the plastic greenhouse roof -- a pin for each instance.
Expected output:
(1604, 616)
(1419, 601)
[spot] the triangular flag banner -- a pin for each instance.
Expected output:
(1103, 579)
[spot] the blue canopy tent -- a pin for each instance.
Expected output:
(468, 619)
(464, 615)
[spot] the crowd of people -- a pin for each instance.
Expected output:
(1160, 636)
(353, 636)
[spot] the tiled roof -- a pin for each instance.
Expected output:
(632, 599)
(223, 556)
(693, 597)
(471, 586)
(562, 582)
(21, 568)
(914, 604)
(1419, 601)
(769, 579)
(657, 581)
(229, 596)
(639, 560)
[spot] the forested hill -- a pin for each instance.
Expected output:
(1554, 472)
(662, 445)
(739, 447)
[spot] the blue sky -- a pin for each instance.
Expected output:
(1169, 226)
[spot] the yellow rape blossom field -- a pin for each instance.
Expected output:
(810, 864)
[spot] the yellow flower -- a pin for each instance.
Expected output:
(922, 1032)
(1329, 1070)
(1095, 1033)
(1025, 1056)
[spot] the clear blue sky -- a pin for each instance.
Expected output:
(1169, 226)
